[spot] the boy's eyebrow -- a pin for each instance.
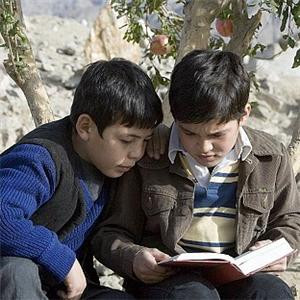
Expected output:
(212, 133)
(219, 131)
(138, 136)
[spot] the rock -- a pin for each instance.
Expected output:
(101, 269)
(73, 81)
(67, 51)
(106, 39)
(113, 281)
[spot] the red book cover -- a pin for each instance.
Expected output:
(221, 268)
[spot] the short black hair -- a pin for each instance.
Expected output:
(117, 91)
(209, 85)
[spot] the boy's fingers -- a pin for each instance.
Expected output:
(260, 244)
(149, 148)
(62, 294)
(156, 144)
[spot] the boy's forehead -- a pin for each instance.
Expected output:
(210, 126)
(134, 131)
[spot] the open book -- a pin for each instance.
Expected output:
(222, 268)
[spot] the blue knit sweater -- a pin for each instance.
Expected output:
(27, 181)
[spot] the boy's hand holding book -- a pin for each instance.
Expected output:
(145, 266)
(278, 266)
(267, 256)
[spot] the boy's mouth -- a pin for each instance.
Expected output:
(206, 158)
(125, 168)
(212, 156)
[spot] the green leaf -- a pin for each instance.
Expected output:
(154, 5)
(296, 63)
(291, 42)
(285, 15)
(258, 47)
(279, 9)
(296, 14)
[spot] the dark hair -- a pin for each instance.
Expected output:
(207, 85)
(117, 91)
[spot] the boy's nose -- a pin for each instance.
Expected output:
(204, 146)
(136, 152)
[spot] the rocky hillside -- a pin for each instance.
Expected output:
(76, 9)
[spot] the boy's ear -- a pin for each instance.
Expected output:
(84, 126)
(246, 114)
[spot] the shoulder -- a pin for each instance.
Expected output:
(264, 143)
(56, 134)
(150, 163)
(30, 152)
(56, 137)
(28, 160)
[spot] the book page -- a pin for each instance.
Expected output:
(254, 260)
(199, 256)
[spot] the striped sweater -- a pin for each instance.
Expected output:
(213, 225)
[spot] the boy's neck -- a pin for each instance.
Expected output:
(210, 169)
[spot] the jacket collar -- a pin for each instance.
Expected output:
(263, 144)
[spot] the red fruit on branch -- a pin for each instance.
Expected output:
(159, 45)
(224, 27)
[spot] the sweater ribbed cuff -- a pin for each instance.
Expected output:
(58, 259)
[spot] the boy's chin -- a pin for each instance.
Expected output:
(114, 173)
(209, 163)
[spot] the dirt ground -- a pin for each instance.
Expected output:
(292, 277)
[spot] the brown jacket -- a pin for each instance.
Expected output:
(152, 205)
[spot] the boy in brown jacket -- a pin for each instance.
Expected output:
(221, 187)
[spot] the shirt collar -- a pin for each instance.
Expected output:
(174, 144)
(243, 145)
(242, 148)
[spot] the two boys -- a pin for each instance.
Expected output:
(220, 187)
(56, 180)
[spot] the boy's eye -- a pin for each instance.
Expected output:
(217, 135)
(188, 133)
(126, 141)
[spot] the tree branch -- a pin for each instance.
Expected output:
(199, 14)
(20, 64)
(294, 146)
(243, 28)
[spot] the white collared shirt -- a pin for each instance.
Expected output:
(202, 173)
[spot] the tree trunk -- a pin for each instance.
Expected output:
(198, 16)
(243, 28)
(294, 146)
(20, 64)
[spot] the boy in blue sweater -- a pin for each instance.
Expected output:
(55, 183)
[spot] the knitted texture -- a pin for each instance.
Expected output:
(28, 180)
